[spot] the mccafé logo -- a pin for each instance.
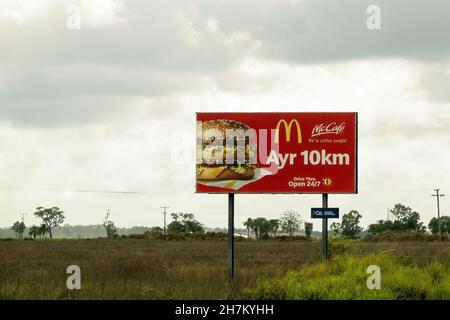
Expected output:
(288, 128)
(332, 128)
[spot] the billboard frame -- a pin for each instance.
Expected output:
(356, 150)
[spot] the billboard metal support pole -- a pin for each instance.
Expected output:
(231, 236)
(324, 229)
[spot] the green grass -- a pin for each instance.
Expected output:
(344, 277)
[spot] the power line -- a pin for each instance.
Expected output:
(108, 191)
(437, 195)
(56, 190)
(393, 190)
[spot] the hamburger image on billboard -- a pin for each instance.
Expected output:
(225, 151)
(276, 152)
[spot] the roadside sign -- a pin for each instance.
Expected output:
(322, 213)
(277, 153)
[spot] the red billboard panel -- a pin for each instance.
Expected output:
(276, 153)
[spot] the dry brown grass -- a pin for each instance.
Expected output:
(141, 269)
(417, 251)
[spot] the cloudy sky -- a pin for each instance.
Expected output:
(101, 94)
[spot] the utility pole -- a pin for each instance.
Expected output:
(23, 217)
(437, 195)
(164, 213)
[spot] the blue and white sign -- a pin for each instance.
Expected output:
(321, 213)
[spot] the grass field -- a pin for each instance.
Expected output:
(191, 269)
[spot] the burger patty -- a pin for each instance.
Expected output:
(239, 172)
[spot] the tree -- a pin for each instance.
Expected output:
(308, 229)
(111, 230)
(335, 227)
(263, 226)
(445, 225)
(380, 227)
(184, 223)
(37, 231)
(290, 222)
(254, 225)
(349, 227)
(406, 219)
(157, 230)
(274, 225)
(19, 228)
(350, 224)
(248, 225)
(51, 218)
(192, 225)
(176, 227)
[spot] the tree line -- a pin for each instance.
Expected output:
(52, 218)
(404, 219)
(289, 223)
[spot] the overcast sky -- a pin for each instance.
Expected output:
(111, 105)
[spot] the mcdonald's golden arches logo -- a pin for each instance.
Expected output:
(288, 128)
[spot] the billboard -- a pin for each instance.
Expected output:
(276, 152)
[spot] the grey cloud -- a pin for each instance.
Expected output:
(328, 30)
(81, 80)
(78, 95)
(50, 75)
(59, 111)
(150, 39)
(310, 31)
